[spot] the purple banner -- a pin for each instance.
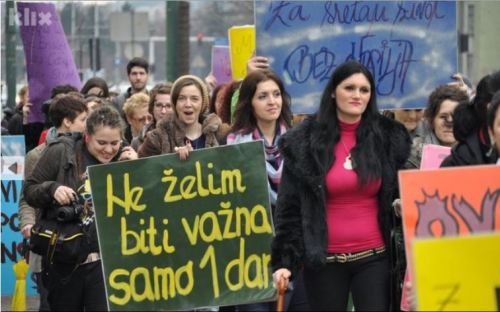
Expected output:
(221, 64)
(49, 60)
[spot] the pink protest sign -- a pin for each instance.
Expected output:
(448, 202)
(433, 156)
(49, 60)
(221, 64)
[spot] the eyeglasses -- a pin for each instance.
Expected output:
(159, 105)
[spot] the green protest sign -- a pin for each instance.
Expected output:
(184, 234)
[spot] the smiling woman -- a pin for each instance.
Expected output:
(54, 182)
(189, 128)
(334, 213)
(263, 113)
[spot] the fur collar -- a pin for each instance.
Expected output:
(211, 127)
(303, 145)
(299, 146)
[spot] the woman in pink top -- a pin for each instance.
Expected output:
(334, 213)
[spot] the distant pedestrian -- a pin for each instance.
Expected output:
(95, 86)
(412, 120)
(136, 109)
(20, 115)
(138, 74)
(160, 107)
(439, 118)
(470, 127)
(93, 102)
(49, 129)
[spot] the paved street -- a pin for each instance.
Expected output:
(31, 303)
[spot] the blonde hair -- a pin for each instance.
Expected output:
(23, 91)
(136, 101)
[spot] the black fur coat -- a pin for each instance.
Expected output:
(300, 224)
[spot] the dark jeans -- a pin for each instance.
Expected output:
(81, 290)
(42, 292)
(367, 279)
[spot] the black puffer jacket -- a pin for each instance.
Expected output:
(470, 152)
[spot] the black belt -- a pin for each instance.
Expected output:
(349, 257)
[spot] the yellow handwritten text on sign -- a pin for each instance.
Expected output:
(242, 46)
(457, 274)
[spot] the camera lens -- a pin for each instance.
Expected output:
(65, 213)
(69, 213)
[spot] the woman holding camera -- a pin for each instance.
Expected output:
(55, 187)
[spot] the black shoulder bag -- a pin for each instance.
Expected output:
(61, 238)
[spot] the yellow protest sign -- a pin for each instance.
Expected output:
(458, 274)
(242, 46)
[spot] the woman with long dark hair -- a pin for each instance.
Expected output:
(334, 211)
(263, 113)
(95, 86)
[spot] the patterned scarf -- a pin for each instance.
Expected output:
(274, 161)
(273, 155)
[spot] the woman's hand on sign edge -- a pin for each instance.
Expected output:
(128, 153)
(184, 151)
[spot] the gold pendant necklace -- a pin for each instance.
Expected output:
(348, 158)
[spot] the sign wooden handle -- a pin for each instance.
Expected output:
(280, 304)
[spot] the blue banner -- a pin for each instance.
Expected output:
(409, 46)
(13, 244)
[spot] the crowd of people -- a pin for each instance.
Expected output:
(332, 175)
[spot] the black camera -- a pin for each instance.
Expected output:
(69, 213)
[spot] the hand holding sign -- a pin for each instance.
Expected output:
(257, 63)
(242, 45)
